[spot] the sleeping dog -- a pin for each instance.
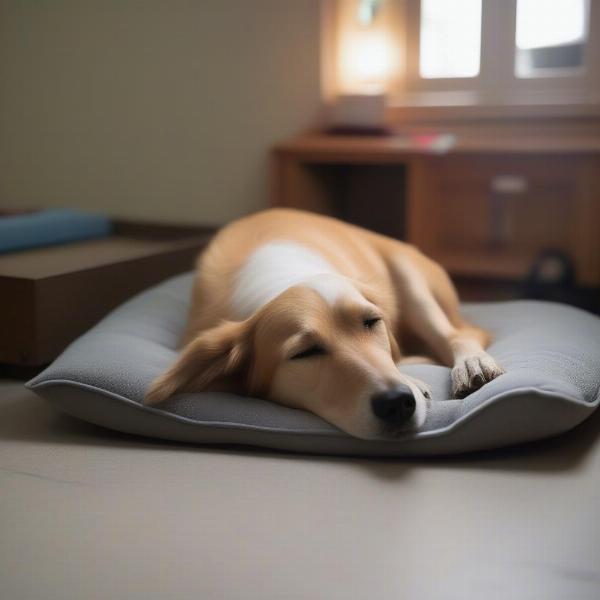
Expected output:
(317, 314)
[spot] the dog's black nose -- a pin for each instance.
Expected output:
(395, 406)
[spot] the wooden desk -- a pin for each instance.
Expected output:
(485, 208)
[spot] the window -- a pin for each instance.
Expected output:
(550, 42)
(500, 52)
(488, 53)
(450, 38)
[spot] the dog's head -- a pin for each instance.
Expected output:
(325, 346)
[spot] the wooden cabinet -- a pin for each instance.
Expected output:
(487, 208)
(494, 215)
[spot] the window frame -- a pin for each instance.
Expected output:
(497, 89)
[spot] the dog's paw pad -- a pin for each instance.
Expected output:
(472, 373)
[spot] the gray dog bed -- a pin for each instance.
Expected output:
(551, 353)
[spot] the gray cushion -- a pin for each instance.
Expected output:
(551, 353)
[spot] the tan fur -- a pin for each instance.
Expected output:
(412, 294)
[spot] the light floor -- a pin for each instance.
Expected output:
(86, 513)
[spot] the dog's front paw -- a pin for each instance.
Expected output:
(472, 372)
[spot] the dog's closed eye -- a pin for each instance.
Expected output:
(314, 350)
(371, 322)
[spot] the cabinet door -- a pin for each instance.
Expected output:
(493, 215)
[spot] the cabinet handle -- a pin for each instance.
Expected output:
(509, 184)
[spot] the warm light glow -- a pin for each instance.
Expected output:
(371, 59)
(366, 62)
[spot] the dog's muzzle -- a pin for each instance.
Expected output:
(395, 406)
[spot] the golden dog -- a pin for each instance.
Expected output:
(317, 314)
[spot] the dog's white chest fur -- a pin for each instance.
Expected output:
(273, 268)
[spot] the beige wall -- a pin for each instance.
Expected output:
(154, 109)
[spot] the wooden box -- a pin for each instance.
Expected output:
(50, 296)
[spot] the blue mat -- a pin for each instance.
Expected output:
(52, 226)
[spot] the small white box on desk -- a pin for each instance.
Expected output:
(358, 112)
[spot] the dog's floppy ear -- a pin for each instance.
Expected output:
(214, 353)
